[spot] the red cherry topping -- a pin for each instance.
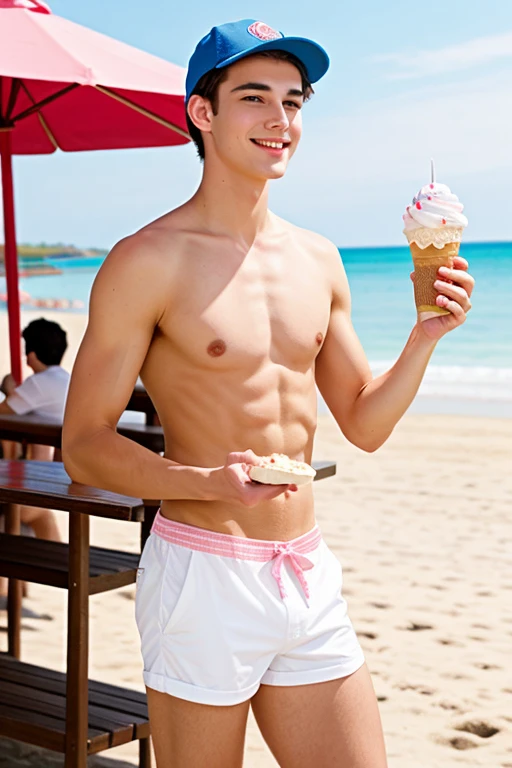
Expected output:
(429, 197)
(431, 186)
(444, 221)
(418, 206)
(272, 461)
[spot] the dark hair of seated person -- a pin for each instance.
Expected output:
(47, 339)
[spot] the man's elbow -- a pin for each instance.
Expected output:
(367, 442)
(73, 464)
(77, 451)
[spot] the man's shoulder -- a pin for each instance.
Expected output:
(312, 241)
(156, 243)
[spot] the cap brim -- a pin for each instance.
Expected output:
(312, 55)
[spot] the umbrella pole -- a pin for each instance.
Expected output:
(10, 254)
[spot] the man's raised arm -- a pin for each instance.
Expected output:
(366, 409)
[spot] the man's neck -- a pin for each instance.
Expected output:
(232, 205)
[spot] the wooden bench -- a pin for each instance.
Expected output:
(33, 709)
(67, 713)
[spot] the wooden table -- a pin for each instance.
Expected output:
(35, 429)
(66, 713)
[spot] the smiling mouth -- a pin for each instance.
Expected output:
(283, 144)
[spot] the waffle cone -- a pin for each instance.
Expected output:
(426, 263)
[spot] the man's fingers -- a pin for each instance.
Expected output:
(453, 307)
(258, 492)
(458, 276)
(454, 292)
(460, 263)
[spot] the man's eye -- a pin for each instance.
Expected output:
(293, 104)
(251, 98)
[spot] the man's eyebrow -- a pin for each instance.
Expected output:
(263, 87)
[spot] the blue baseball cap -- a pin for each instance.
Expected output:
(228, 43)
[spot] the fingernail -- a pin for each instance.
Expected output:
(438, 284)
(443, 271)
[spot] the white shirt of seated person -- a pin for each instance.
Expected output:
(42, 394)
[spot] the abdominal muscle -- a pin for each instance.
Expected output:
(206, 417)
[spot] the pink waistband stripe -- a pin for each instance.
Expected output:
(225, 545)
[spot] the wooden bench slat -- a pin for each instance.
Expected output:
(18, 724)
(49, 703)
(47, 562)
(33, 709)
(15, 670)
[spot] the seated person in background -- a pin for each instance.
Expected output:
(43, 394)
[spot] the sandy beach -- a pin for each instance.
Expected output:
(423, 529)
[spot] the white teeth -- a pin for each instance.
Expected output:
(273, 144)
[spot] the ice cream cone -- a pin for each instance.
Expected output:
(426, 263)
(433, 225)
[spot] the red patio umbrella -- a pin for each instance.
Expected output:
(66, 87)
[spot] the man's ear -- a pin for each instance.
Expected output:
(200, 112)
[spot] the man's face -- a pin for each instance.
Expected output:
(259, 104)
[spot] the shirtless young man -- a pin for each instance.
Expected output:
(232, 315)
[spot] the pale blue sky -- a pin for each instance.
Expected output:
(407, 81)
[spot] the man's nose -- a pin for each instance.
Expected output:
(277, 119)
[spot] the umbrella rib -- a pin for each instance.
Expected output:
(46, 128)
(127, 103)
(36, 106)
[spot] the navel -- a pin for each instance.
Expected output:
(216, 348)
(319, 338)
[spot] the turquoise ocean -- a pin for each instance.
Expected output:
(471, 369)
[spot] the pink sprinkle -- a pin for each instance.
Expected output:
(418, 206)
(431, 186)
(429, 197)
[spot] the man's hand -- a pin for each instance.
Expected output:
(8, 384)
(455, 287)
(233, 485)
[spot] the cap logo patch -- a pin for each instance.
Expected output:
(263, 31)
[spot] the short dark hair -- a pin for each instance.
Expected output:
(208, 87)
(46, 339)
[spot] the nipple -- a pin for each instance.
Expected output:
(319, 338)
(216, 348)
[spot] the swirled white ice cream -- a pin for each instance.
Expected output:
(435, 217)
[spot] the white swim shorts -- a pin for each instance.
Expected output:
(218, 615)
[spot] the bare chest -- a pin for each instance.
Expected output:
(230, 316)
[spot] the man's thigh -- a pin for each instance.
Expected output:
(326, 725)
(190, 735)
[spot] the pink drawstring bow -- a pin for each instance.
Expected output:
(298, 562)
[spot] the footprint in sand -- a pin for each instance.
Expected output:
(414, 626)
(425, 690)
(448, 641)
(450, 705)
(478, 727)
(463, 742)
(382, 606)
